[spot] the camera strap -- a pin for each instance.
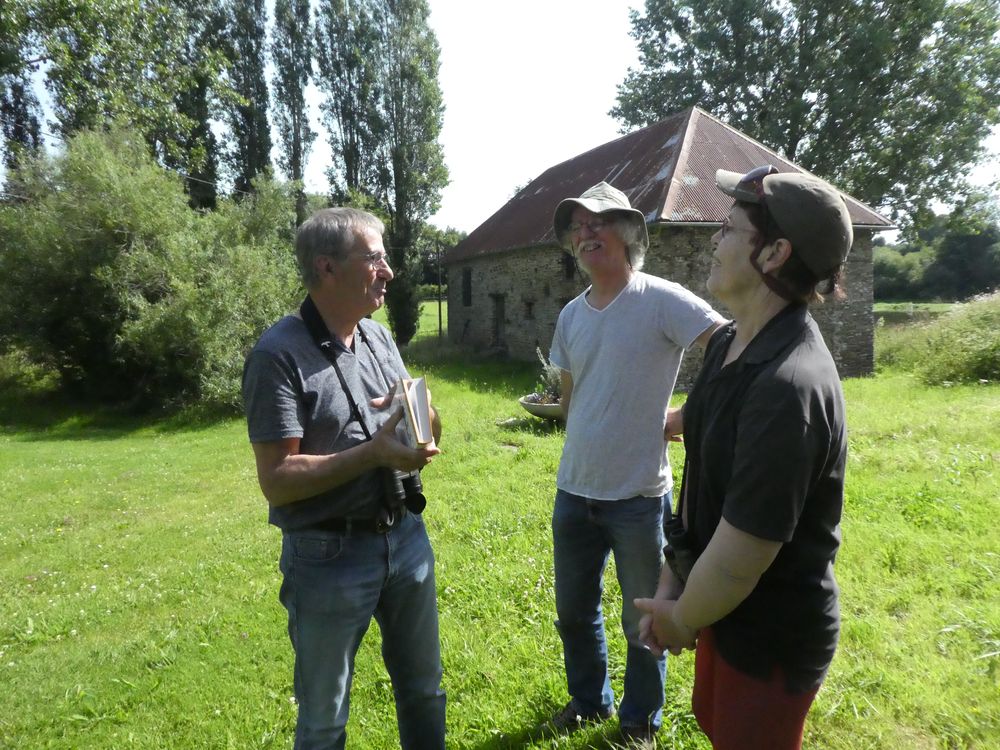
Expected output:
(324, 340)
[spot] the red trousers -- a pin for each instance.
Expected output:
(739, 712)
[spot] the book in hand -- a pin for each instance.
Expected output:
(412, 395)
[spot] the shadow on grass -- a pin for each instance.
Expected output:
(51, 415)
(532, 425)
(540, 731)
(42, 412)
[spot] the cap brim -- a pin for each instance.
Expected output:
(729, 183)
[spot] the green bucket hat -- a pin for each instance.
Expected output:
(810, 214)
(602, 198)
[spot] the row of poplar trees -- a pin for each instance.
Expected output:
(207, 82)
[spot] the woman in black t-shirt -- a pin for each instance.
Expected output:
(763, 483)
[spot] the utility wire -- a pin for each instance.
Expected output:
(162, 166)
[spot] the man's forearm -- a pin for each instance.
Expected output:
(301, 476)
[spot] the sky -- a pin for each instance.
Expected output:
(527, 84)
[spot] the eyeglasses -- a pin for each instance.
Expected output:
(375, 258)
(594, 225)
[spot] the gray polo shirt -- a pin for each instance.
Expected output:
(290, 390)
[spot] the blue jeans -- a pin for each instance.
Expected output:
(584, 533)
(334, 583)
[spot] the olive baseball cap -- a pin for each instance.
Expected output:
(810, 214)
(602, 198)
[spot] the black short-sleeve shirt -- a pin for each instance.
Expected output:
(766, 450)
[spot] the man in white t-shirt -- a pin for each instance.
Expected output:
(619, 346)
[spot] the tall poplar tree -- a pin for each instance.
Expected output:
(889, 99)
(348, 48)
(197, 153)
(19, 124)
(20, 24)
(412, 168)
(291, 49)
(378, 64)
(247, 113)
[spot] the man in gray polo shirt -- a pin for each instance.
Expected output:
(325, 441)
(619, 346)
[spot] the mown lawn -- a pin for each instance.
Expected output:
(139, 607)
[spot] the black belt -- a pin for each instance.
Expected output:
(377, 525)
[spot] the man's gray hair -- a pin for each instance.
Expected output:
(330, 231)
(633, 234)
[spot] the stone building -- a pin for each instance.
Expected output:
(509, 279)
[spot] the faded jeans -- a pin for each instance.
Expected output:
(585, 532)
(334, 583)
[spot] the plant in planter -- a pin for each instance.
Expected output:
(544, 402)
(549, 389)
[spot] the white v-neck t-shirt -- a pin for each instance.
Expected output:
(624, 360)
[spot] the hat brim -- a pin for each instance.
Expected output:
(729, 183)
(564, 213)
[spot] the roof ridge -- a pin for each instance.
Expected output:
(670, 194)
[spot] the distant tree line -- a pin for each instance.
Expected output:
(955, 257)
(191, 79)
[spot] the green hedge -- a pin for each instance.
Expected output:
(109, 277)
(961, 346)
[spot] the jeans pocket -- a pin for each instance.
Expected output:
(318, 548)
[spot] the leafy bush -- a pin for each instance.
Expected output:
(20, 374)
(898, 276)
(429, 292)
(110, 277)
(962, 346)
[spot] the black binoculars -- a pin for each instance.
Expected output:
(403, 489)
(679, 551)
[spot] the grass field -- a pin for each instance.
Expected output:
(139, 606)
(902, 313)
(938, 307)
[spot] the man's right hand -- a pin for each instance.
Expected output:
(391, 453)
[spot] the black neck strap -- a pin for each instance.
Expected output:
(324, 340)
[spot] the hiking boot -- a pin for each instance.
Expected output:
(638, 737)
(569, 719)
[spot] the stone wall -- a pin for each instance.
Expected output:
(515, 297)
(515, 300)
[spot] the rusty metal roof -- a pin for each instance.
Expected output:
(667, 170)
